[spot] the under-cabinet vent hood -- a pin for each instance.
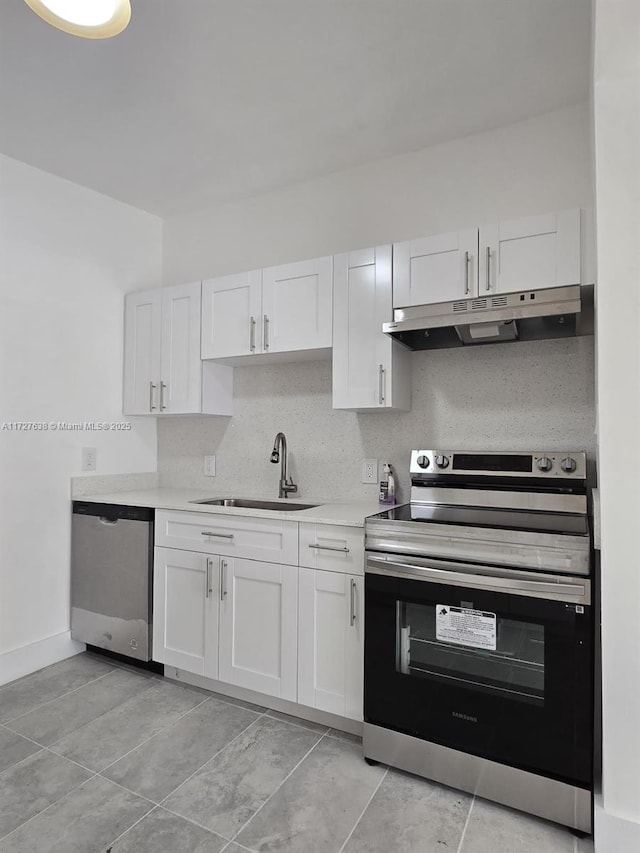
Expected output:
(558, 312)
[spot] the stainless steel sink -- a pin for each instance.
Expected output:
(245, 503)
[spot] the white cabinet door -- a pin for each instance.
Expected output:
(435, 269)
(297, 306)
(180, 364)
(330, 642)
(259, 626)
(142, 330)
(370, 370)
(185, 611)
(530, 253)
(232, 315)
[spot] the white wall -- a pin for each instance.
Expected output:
(519, 395)
(531, 167)
(67, 255)
(524, 396)
(617, 170)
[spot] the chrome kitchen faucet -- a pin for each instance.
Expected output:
(279, 454)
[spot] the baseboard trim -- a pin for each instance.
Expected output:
(323, 718)
(614, 833)
(28, 659)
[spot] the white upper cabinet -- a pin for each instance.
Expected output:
(530, 253)
(279, 313)
(370, 371)
(142, 330)
(232, 315)
(180, 368)
(163, 372)
(297, 306)
(435, 269)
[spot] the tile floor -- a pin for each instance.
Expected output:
(97, 757)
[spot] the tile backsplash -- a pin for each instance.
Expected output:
(536, 395)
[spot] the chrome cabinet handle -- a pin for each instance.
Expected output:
(467, 261)
(223, 572)
(208, 579)
(265, 333)
(152, 388)
(252, 334)
(352, 615)
(381, 384)
(328, 548)
(163, 387)
(218, 535)
(488, 286)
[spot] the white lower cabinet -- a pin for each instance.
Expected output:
(227, 618)
(259, 626)
(185, 611)
(294, 632)
(331, 641)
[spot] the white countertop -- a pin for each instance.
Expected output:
(350, 514)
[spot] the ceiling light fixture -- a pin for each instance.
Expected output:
(91, 19)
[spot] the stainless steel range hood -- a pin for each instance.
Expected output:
(557, 312)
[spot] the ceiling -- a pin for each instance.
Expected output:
(200, 102)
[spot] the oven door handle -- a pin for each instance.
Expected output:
(578, 592)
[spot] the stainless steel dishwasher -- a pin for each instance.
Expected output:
(111, 577)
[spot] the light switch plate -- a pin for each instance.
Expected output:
(369, 470)
(209, 466)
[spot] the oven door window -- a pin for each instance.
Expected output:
(476, 649)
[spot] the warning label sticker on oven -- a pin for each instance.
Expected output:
(474, 628)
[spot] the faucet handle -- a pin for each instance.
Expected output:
(289, 486)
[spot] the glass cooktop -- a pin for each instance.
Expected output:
(505, 519)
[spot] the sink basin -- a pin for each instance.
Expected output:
(245, 503)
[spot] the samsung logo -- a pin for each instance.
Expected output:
(466, 717)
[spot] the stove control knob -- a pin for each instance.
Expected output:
(545, 464)
(442, 461)
(568, 465)
(423, 461)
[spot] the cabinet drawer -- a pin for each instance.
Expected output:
(332, 547)
(265, 539)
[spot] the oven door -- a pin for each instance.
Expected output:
(481, 660)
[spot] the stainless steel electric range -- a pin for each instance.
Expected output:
(479, 630)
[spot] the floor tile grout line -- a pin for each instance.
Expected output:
(299, 725)
(215, 755)
(466, 824)
(129, 828)
(240, 846)
(53, 743)
(62, 695)
(275, 791)
(147, 739)
(362, 813)
(50, 805)
(194, 822)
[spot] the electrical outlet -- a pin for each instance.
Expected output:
(209, 466)
(369, 470)
(89, 458)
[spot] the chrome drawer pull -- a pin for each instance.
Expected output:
(352, 615)
(329, 548)
(218, 535)
(466, 273)
(208, 589)
(223, 579)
